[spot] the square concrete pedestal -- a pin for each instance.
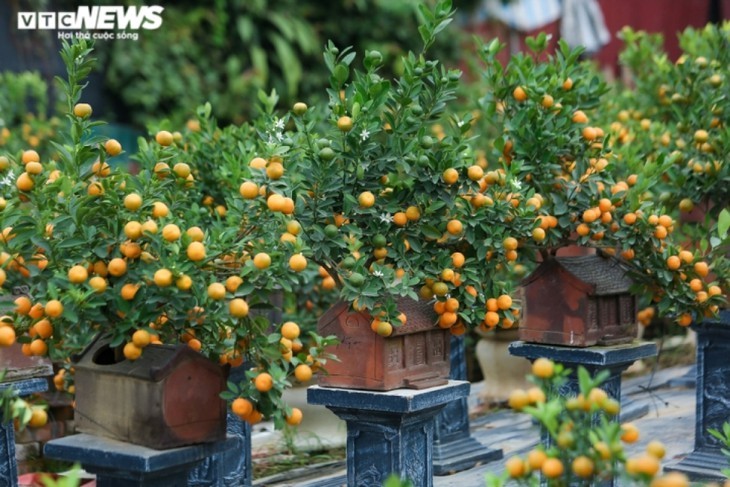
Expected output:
(389, 432)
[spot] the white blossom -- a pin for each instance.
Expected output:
(378, 273)
(460, 123)
(364, 135)
(385, 218)
(279, 124)
(516, 184)
(7, 180)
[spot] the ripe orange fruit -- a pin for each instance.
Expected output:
(82, 110)
(579, 117)
(7, 336)
(238, 308)
(150, 226)
(263, 382)
(171, 232)
(23, 305)
(454, 227)
(673, 262)
(543, 368)
(78, 274)
(38, 417)
(216, 291)
(344, 123)
(552, 468)
(98, 284)
(290, 330)
(519, 94)
(233, 283)
(515, 467)
(133, 230)
(297, 262)
(295, 418)
(567, 84)
(101, 170)
(303, 373)
(242, 407)
(510, 243)
(518, 399)
(583, 467)
(262, 260)
(249, 190)
(196, 251)
(113, 147)
(54, 308)
(547, 101)
(160, 210)
(163, 277)
(535, 459)
(629, 433)
(384, 329)
(30, 156)
(128, 291)
(450, 176)
(413, 213)
(164, 138)
(24, 182)
(141, 338)
(656, 449)
(131, 351)
(643, 464)
(504, 302)
(701, 268)
(38, 347)
(366, 199)
(34, 168)
(117, 267)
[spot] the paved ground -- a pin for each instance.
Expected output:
(670, 419)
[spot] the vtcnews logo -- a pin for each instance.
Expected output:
(108, 18)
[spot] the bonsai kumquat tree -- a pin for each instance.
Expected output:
(387, 210)
(563, 164)
(581, 443)
(137, 258)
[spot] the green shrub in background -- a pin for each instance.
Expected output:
(226, 52)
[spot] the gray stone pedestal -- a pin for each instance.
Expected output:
(119, 464)
(389, 432)
(454, 449)
(615, 359)
(8, 464)
(706, 460)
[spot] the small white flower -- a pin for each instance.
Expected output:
(279, 136)
(364, 135)
(378, 273)
(7, 180)
(279, 124)
(516, 184)
(460, 123)
(385, 218)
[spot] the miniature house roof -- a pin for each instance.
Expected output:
(608, 275)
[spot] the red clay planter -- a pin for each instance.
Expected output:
(579, 302)
(415, 356)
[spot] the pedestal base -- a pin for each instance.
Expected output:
(119, 464)
(454, 449)
(461, 454)
(389, 432)
(701, 465)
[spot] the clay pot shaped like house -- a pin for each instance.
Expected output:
(167, 398)
(579, 302)
(415, 355)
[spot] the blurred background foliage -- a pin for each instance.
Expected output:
(225, 51)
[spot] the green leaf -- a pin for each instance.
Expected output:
(723, 223)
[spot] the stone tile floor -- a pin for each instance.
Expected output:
(670, 419)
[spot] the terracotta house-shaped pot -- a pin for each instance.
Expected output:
(167, 398)
(415, 356)
(578, 301)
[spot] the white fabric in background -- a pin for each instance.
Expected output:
(523, 15)
(583, 25)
